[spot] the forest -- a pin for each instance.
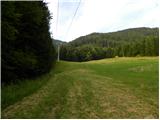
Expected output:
(126, 43)
(27, 50)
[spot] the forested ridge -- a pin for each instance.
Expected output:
(57, 42)
(130, 42)
(27, 49)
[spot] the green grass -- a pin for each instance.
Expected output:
(12, 93)
(108, 88)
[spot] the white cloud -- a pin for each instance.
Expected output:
(102, 16)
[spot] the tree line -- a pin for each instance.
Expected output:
(27, 50)
(126, 43)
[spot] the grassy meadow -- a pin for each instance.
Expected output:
(108, 88)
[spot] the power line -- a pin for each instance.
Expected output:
(58, 57)
(73, 18)
(57, 29)
(58, 53)
(57, 17)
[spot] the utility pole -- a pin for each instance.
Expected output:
(58, 52)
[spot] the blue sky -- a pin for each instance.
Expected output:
(101, 16)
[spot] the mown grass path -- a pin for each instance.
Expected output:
(109, 88)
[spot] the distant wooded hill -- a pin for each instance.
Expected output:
(130, 42)
(57, 42)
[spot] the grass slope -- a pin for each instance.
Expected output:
(109, 88)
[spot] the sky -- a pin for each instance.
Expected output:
(100, 16)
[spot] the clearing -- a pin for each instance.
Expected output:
(108, 88)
